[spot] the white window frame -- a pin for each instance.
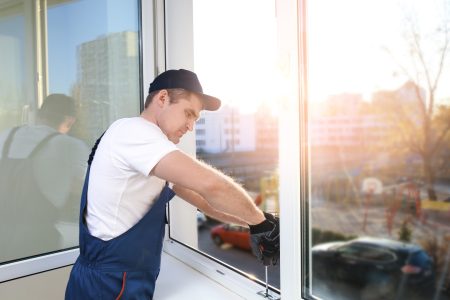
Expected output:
(179, 55)
(34, 13)
(160, 48)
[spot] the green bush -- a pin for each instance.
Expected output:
(404, 234)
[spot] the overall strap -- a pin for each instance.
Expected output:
(94, 149)
(8, 142)
(9, 139)
(42, 143)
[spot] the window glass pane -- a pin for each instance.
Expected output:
(93, 56)
(15, 65)
(90, 63)
(17, 104)
(379, 136)
(236, 61)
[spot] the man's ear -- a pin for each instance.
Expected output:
(162, 97)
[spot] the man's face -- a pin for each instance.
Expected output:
(175, 119)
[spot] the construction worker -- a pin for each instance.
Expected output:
(134, 169)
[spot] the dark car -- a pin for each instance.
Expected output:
(388, 267)
(235, 235)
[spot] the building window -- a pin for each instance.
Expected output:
(200, 131)
(200, 143)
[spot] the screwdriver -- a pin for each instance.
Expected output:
(267, 283)
(265, 293)
(266, 263)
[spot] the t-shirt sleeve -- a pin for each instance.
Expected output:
(140, 150)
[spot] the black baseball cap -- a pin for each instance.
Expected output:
(184, 79)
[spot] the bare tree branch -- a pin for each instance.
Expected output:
(402, 68)
(420, 55)
(441, 62)
(443, 54)
(440, 139)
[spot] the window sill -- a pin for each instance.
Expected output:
(30, 266)
(201, 277)
(177, 280)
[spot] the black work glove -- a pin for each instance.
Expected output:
(265, 240)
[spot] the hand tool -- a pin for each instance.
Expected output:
(265, 294)
(267, 283)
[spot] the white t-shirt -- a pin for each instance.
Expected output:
(120, 190)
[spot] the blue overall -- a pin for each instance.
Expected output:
(125, 267)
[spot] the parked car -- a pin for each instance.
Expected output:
(235, 235)
(201, 219)
(389, 267)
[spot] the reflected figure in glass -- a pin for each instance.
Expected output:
(41, 168)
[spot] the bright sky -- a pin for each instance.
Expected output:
(235, 50)
(344, 48)
(235, 47)
(346, 39)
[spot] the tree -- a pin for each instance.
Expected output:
(422, 126)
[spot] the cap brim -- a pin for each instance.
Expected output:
(210, 102)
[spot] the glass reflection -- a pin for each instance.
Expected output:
(14, 95)
(94, 56)
(41, 168)
(380, 142)
(90, 63)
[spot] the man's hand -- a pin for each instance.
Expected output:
(265, 240)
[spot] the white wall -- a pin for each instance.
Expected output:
(48, 285)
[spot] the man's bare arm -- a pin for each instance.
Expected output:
(200, 202)
(219, 190)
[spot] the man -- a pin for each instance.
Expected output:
(42, 169)
(127, 188)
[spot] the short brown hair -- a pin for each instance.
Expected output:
(174, 95)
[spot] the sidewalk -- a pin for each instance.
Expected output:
(349, 219)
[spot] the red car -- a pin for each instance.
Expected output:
(235, 235)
